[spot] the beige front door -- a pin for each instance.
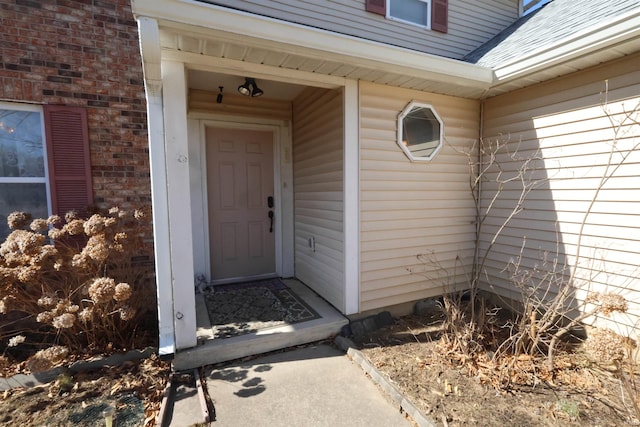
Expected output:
(240, 198)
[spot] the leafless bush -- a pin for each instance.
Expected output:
(524, 345)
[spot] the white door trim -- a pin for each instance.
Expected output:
(283, 186)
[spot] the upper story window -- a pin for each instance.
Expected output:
(420, 131)
(413, 11)
(429, 14)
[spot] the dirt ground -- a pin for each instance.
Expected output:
(409, 354)
(134, 390)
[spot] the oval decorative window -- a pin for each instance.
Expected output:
(420, 131)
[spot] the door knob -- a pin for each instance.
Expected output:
(271, 221)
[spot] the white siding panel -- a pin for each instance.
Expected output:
(409, 209)
(585, 210)
(471, 22)
(318, 177)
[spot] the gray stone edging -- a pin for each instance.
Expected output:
(39, 378)
(346, 345)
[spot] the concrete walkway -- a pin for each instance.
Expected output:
(312, 386)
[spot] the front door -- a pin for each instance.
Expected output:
(241, 205)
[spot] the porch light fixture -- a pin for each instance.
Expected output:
(219, 97)
(246, 88)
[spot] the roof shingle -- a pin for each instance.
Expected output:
(551, 23)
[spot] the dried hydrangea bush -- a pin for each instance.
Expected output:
(75, 282)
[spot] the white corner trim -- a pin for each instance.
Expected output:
(351, 195)
(606, 34)
(326, 44)
(150, 45)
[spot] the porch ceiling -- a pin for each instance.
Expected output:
(250, 54)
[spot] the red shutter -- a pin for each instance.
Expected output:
(69, 161)
(440, 15)
(376, 6)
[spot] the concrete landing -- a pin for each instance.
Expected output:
(314, 386)
(210, 351)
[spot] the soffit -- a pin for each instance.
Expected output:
(217, 50)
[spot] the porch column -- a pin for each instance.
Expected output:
(150, 51)
(351, 194)
(174, 83)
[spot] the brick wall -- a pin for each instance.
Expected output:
(84, 53)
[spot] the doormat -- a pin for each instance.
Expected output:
(243, 308)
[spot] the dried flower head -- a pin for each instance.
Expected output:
(605, 346)
(96, 249)
(74, 227)
(94, 225)
(86, 314)
(27, 274)
(47, 253)
(114, 210)
(54, 220)
(102, 289)
(15, 341)
(612, 303)
(39, 225)
(47, 301)
(64, 321)
(127, 313)
(70, 216)
(22, 242)
(123, 292)
(47, 358)
(3, 306)
(17, 220)
(44, 317)
(56, 233)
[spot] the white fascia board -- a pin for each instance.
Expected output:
(622, 28)
(331, 46)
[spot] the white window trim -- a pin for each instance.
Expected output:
(32, 180)
(393, 18)
(399, 136)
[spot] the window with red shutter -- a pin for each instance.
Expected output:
(440, 15)
(433, 14)
(376, 6)
(68, 158)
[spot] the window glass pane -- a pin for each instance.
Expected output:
(21, 144)
(421, 131)
(31, 198)
(415, 11)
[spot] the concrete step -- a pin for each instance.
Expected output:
(211, 350)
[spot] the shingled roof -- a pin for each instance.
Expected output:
(552, 23)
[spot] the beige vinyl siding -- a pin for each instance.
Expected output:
(573, 122)
(318, 192)
(408, 209)
(471, 22)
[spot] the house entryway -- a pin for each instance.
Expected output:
(274, 314)
(240, 186)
